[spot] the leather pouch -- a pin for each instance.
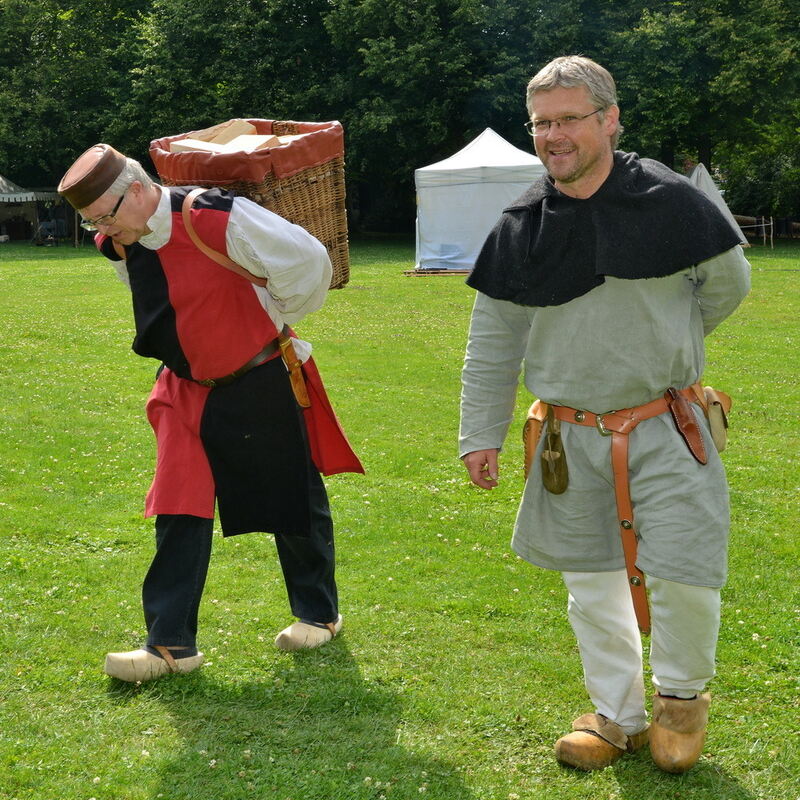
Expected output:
(555, 475)
(686, 423)
(717, 406)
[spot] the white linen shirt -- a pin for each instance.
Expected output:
(295, 264)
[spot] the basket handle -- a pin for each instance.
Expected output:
(210, 252)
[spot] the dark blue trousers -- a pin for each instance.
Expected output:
(174, 583)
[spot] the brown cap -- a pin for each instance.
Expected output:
(91, 175)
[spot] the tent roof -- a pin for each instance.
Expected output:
(487, 157)
(488, 149)
(11, 193)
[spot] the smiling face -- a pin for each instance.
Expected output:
(578, 160)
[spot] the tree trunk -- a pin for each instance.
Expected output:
(704, 152)
(667, 153)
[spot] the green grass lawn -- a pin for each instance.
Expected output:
(457, 669)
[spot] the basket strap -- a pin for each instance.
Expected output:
(210, 252)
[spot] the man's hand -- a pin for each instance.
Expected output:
(482, 467)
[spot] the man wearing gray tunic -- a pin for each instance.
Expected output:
(603, 280)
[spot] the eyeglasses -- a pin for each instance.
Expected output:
(539, 127)
(106, 219)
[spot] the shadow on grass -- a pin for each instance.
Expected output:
(312, 729)
(639, 778)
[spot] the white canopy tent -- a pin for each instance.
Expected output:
(461, 198)
(700, 178)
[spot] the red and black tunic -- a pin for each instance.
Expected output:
(246, 444)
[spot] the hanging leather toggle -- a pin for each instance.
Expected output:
(555, 475)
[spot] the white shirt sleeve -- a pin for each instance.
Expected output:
(121, 268)
(295, 264)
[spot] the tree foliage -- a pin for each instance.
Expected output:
(697, 74)
(411, 80)
(62, 65)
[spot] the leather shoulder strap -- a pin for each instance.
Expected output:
(210, 252)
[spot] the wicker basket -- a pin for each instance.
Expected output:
(303, 181)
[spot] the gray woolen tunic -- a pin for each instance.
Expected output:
(620, 345)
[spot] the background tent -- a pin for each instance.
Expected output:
(700, 178)
(19, 213)
(460, 199)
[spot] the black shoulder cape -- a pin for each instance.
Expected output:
(645, 221)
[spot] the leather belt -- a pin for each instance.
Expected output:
(258, 358)
(293, 364)
(617, 425)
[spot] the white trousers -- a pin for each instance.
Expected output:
(685, 626)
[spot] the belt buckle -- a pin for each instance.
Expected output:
(598, 421)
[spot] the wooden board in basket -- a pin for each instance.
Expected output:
(302, 180)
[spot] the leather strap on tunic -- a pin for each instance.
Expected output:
(618, 424)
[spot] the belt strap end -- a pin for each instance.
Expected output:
(295, 367)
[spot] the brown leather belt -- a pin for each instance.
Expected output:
(258, 358)
(290, 359)
(617, 425)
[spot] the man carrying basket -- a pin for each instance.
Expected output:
(238, 409)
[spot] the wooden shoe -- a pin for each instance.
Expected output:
(137, 666)
(596, 742)
(678, 731)
(305, 635)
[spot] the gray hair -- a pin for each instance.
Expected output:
(570, 72)
(133, 171)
